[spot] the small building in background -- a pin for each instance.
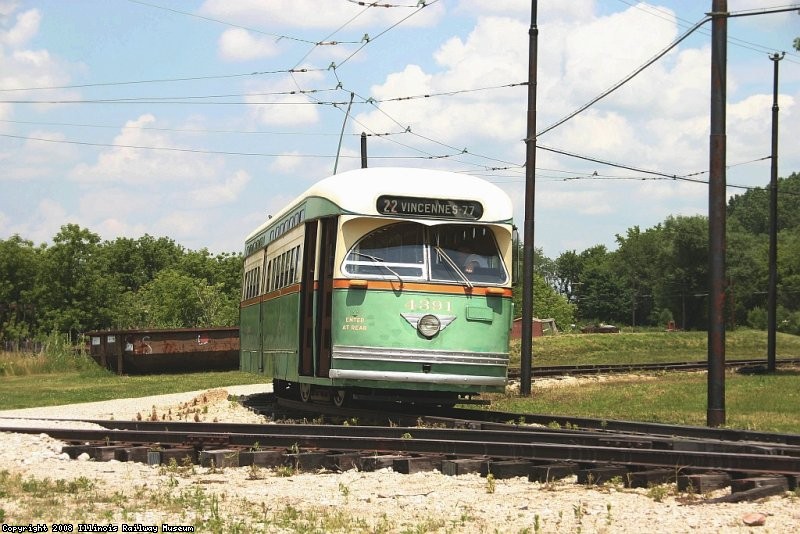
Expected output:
(166, 350)
(541, 327)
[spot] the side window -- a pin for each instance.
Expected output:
(250, 285)
(271, 275)
(294, 258)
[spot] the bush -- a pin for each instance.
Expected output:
(58, 354)
(757, 318)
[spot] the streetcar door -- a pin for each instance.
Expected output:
(327, 252)
(306, 364)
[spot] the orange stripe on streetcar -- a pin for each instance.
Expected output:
(392, 285)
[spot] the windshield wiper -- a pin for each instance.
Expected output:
(381, 261)
(452, 264)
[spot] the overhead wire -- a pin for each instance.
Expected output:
(160, 80)
(194, 130)
(225, 23)
(655, 175)
(205, 151)
(625, 80)
(406, 129)
(662, 13)
(421, 6)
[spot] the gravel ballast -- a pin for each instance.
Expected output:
(248, 499)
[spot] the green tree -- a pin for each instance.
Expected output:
(18, 272)
(549, 304)
(684, 288)
(603, 295)
(177, 300)
(74, 291)
(568, 270)
(640, 257)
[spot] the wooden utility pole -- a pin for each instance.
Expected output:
(526, 351)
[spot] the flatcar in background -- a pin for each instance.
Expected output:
(385, 284)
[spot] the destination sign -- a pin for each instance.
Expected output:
(430, 207)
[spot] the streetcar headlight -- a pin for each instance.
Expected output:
(429, 325)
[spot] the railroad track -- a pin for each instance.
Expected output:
(388, 414)
(761, 464)
(754, 365)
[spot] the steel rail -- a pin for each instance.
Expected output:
(501, 433)
(569, 370)
(487, 419)
(480, 445)
(614, 425)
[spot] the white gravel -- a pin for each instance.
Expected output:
(244, 499)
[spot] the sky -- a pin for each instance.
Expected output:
(195, 119)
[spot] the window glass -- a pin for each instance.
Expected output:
(446, 253)
(472, 249)
(392, 251)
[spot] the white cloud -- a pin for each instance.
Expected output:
(21, 67)
(30, 159)
(220, 193)
(183, 224)
(547, 9)
(586, 201)
(26, 27)
(43, 222)
(308, 14)
(126, 164)
(286, 163)
(240, 45)
(267, 107)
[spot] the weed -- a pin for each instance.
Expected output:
(285, 471)
(254, 472)
(490, 483)
(344, 490)
(407, 436)
(657, 493)
(578, 511)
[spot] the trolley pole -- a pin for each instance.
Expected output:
(772, 321)
(716, 215)
(363, 150)
(526, 352)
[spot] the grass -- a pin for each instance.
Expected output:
(766, 403)
(650, 346)
(71, 387)
(758, 402)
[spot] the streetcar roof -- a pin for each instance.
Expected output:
(357, 192)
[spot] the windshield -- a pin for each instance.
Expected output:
(446, 253)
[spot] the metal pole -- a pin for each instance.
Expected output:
(772, 321)
(341, 135)
(716, 216)
(526, 350)
(363, 150)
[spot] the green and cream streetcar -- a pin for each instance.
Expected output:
(385, 283)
